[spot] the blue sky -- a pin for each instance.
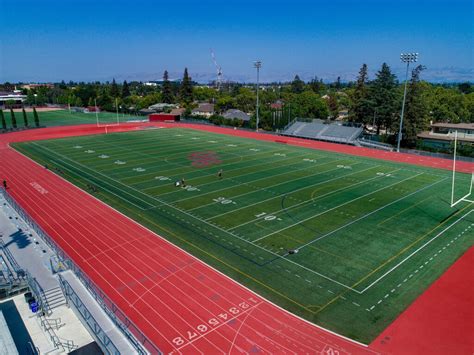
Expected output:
(50, 40)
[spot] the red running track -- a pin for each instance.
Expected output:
(179, 302)
(441, 320)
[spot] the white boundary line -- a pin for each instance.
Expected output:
(416, 251)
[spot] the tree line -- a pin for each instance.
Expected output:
(374, 102)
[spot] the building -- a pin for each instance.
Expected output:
(13, 99)
(236, 115)
(36, 86)
(163, 117)
(204, 109)
(277, 105)
(162, 106)
(442, 135)
(178, 111)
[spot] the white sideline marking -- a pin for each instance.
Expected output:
(420, 267)
(416, 251)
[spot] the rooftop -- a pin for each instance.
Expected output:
(454, 125)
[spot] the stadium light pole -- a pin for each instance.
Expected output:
(405, 58)
(257, 64)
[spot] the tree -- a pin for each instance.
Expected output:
(333, 106)
(416, 113)
(337, 84)
(317, 85)
(25, 117)
(30, 98)
(114, 89)
(9, 103)
(12, 114)
(36, 117)
(4, 123)
(125, 90)
(245, 100)
(384, 97)
(224, 103)
(360, 107)
(308, 105)
(297, 85)
(186, 89)
(167, 90)
(466, 88)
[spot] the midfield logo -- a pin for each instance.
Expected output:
(204, 159)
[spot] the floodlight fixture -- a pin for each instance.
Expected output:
(405, 58)
(257, 64)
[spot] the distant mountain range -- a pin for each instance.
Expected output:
(435, 75)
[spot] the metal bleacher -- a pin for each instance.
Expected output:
(12, 276)
(320, 130)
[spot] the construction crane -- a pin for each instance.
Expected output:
(219, 70)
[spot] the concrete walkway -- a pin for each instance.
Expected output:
(26, 247)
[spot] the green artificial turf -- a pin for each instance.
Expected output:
(66, 118)
(366, 236)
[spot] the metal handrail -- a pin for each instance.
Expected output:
(39, 292)
(53, 323)
(130, 330)
(100, 334)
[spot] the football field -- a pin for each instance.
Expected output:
(345, 242)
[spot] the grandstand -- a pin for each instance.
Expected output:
(321, 130)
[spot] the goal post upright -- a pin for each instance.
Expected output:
(465, 197)
(454, 167)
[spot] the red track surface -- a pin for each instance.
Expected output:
(441, 320)
(179, 302)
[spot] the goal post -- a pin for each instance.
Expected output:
(466, 180)
(107, 122)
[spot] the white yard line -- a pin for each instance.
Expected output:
(371, 213)
(237, 177)
(338, 206)
(259, 189)
(312, 199)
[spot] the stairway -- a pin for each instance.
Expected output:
(54, 298)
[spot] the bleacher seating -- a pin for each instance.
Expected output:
(373, 144)
(317, 129)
